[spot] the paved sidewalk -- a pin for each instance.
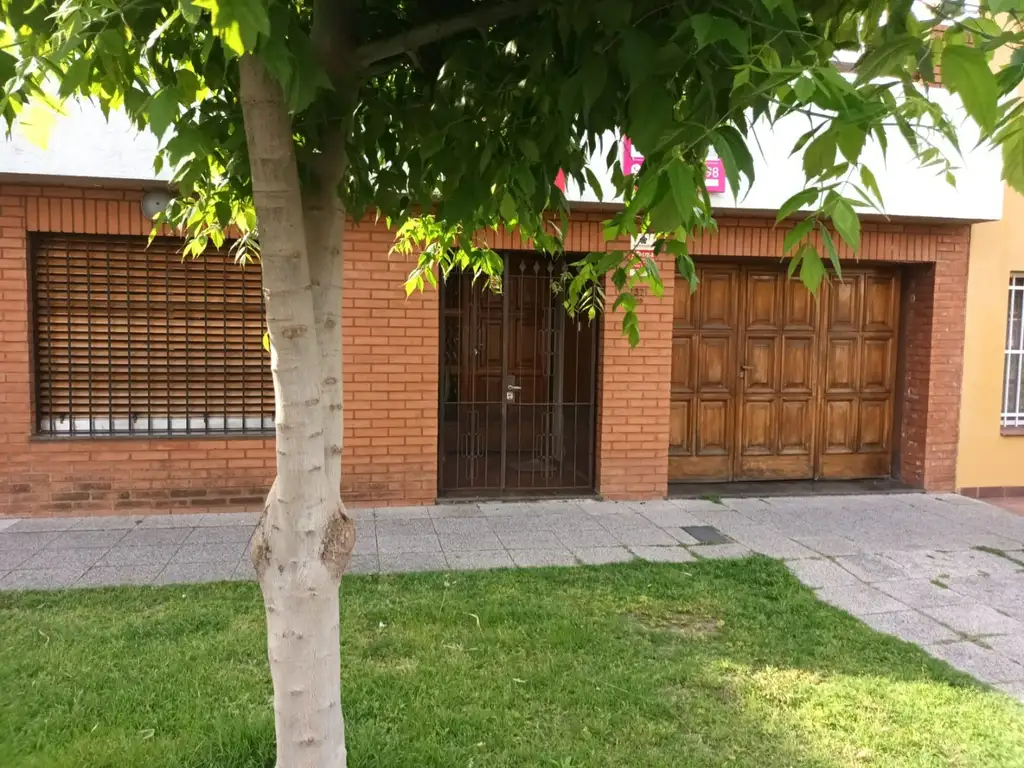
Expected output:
(942, 571)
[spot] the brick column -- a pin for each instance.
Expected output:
(935, 297)
(633, 399)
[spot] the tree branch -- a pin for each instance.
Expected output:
(484, 16)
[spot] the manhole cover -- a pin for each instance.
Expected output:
(707, 534)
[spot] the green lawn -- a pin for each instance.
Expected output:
(712, 664)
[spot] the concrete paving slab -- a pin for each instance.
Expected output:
(921, 593)
(227, 534)
(667, 517)
(26, 542)
(479, 560)
(470, 542)
(984, 664)
(42, 578)
(530, 558)
(183, 520)
(664, 554)
(872, 567)
(63, 558)
(829, 545)
(383, 514)
(12, 558)
(115, 576)
(389, 545)
(1010, 646)
(155, 535)
(640, 536)
(586, 538)
(530, 540)
(910, 626)
(462, 525)
(1013, 690)
(222, 519)
(196, 573)
(362, 564)
(8, 522)
(602, 555)
(201, 552)
(412, 561)
(79, 539)
(108, 523)
(975, 619)
(720, 551)
(124, 556)
(821, 573)
(412, 527)
(32, 525)
(860, 599)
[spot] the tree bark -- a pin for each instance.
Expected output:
(304, 539)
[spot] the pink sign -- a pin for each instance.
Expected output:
(714, 174)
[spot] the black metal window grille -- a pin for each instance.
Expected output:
(132, 340)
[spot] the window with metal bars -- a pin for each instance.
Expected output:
(132, 340)
(1013, 379)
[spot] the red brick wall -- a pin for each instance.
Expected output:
(390, 378)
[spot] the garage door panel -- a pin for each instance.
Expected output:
(714, 364)
(844, 305)
(874, 433)
(680, 427)
(716, 295)
(839, 427)
(796, 425)
(682, 364)
(762, 300)
(760, 365)
(759, 428)
(876, 373)
(841, 365)
(714, 428)
(880, 303)
(800, 310)
(798, 360)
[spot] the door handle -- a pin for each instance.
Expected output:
(513, 388)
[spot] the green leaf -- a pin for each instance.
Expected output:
(507, 207)
(1013, 157)
(529, 149)
(800, 200)
(847, 222)
(684, 188)
(820, 155)
(162, 110)
(889, 58)
(732, 149)
(812, 269)
(239, 23)
(74, 78)
(710, 29)
(190, 11)
(798, 233)
(833, 254)
(850, 139)
(595, 75)
(868, 178)
(7, 64)
(804, 88)
(965, 71)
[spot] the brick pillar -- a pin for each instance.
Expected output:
(633, 400)
(935, 299)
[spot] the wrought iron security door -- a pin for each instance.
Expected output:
(517, 386)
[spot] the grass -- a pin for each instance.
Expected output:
(720, 663)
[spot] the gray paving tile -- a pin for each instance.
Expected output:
(720, 551)
(526, 558)
(43, 578)
(223, 535)
(602, 555)
(829, 545)
(860, 599)
(641, 536)
(975, 619)
(872, 567)
(673, 517)
(26, 542)
(12, 558)
(920, 593)
(108, 523)
(1013, 690)
(360, 513)
(189, 520)
(981, 663)
(389, 545)
(194, 573)
(462, 525)
(663, 554)
(412, 561)
(401, 513)
(222, 519)
(910, 626)
(820, 573)
(8, 522)
(110, 576)
(78, 539)
(681, 536)
(703, 507)
(63, 558)
(587, 538)
(469, 542)
(366, 539)
(445, 511)
(363, 564)
(479, 560)
(1011, 646)
(32, 525)
(395, 528)
(217, 552)
(530, 540)
(766, 542)
(123, 556)
(245, 572)
(153, 536)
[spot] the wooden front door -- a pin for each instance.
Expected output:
(770, 383)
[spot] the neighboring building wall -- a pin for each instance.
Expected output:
(990, 463)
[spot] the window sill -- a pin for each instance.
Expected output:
(49, 437)
(1011, 431)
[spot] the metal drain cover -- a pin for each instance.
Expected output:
(707, 534)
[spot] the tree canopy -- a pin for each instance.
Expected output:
(454, 117)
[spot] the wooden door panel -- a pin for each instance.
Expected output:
(796, 424)
(880, 304)
(759, 428)
(716, 295)
(682, 365)
(702, 418)
(876, 365)
(714, 364)
(844, 305)
(874, 427)
(762, 300)
(839, 430)
(800, 309)
(797, 375)
(759, 365)
(841, 365)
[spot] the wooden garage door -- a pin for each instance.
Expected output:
(770, 383)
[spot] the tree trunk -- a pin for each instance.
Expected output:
(304, 539)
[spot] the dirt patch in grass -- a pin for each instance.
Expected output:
(678, 622)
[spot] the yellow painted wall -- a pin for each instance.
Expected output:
(986, 458)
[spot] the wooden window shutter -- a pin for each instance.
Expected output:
(131, 340)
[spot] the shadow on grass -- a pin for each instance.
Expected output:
(710, 664)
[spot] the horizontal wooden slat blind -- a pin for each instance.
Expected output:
(132, 340)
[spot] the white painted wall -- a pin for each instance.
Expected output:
(84, 145)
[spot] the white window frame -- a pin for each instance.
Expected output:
(1013, 398)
